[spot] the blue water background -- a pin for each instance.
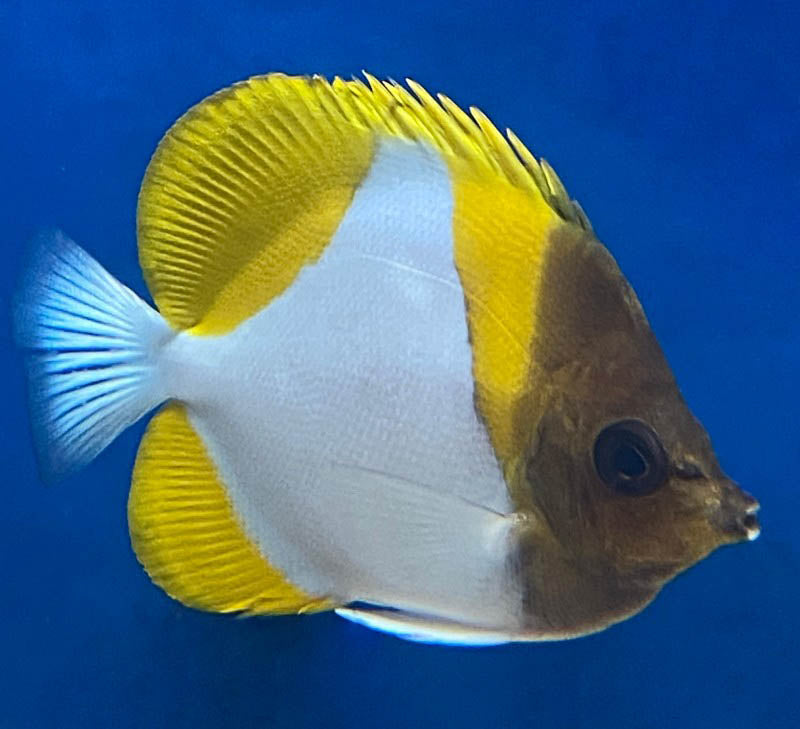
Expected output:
(674, 124)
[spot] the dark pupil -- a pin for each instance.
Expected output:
(629, 457)
(628, 462)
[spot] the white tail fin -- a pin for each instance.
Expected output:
(92, 353)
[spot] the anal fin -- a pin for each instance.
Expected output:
(186, 534)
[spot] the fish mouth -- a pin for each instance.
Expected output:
(736, 517)
(750, 521)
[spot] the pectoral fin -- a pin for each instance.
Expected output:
(423, 628)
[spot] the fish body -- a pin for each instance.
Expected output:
(399, 377)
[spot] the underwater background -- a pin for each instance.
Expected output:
(676, 127)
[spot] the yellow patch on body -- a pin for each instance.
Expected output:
(501, 233)
(186, 535)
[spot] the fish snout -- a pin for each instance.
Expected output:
(737, 513)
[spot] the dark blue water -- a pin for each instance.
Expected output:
(675, 125)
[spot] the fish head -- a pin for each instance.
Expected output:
(639, 495)
(618, 473)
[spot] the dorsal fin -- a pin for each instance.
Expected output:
(250, 184)
(185, 534)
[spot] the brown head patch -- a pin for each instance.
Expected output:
(599, 548)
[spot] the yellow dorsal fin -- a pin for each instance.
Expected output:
(187, 537)
(250, 184)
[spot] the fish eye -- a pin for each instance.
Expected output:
(629, 457)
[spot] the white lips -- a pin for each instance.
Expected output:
(753, 531)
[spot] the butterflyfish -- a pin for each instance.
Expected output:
(397, 376)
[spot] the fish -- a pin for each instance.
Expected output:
(395, 375)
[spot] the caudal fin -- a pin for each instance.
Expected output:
(92, 347)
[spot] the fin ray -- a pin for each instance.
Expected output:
(91, 359)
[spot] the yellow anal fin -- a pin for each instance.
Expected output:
(186, 535)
